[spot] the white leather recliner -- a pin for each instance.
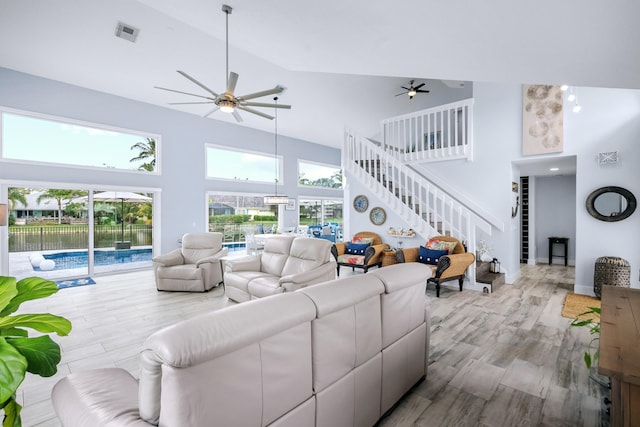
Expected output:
(195, 267)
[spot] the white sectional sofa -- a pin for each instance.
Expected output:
(287, 263)
(340, 353)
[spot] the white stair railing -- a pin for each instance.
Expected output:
(435, 134)
(422, 205)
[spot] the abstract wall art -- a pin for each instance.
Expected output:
(541, 120)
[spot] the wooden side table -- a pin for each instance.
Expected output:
(388, 258)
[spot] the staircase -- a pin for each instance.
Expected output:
(435, 134)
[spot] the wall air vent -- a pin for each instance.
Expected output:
(608, 158)
(127, 32)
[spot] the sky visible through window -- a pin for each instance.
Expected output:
(241, 165)
(40, 140)
(34, 139)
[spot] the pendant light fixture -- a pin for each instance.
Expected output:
(276, 199)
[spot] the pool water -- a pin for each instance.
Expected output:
(68, 260)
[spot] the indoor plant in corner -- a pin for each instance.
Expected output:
(20, 353)
(591, 320)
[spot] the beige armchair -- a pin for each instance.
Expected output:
(195, 267)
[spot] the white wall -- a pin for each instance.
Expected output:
(609, 121)
(183, 182)
(555, 215)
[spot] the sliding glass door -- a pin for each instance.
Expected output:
(57, 233)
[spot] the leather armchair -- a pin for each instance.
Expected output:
(195, 267)
(372, 256)
(450, 267)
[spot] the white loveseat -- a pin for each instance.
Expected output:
(286, 264)
(340, 353)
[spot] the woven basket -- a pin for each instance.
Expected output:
(612, 271)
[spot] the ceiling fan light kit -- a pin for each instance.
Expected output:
(227, 102)
(413, 90)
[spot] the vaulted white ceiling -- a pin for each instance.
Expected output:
(342, 62)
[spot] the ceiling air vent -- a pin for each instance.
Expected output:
(607, 158)
(127, 32)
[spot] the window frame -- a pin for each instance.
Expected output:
(279, 158)
(86, 124)
(327, 165)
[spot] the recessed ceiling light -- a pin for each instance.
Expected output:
(564, 87)
(554, 169)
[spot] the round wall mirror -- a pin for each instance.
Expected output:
(611, 204)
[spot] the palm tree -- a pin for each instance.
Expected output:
(17, 195)
(147, 150)
(60, 196)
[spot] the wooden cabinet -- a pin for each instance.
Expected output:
(620, 352)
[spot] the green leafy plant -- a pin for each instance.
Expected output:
(594, 329)
(20, 353)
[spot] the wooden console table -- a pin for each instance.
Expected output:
(620, 352)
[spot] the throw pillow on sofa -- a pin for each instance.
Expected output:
(356, 248)
(441, 245)
(362, 240)
(430, 256)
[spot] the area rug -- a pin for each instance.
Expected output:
(72, 283)
(576, 304)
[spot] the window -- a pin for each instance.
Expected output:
(224, 163)
(235, 215)
(320, 211)
(36, 139)
(317, 175)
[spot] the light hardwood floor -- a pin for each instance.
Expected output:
(505, 359)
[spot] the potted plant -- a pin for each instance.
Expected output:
(20, 353)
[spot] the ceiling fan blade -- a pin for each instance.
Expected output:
(422, 91)
(266, 105)
(233, 79)
(187, 76)
(405, 88)
(185, 93)
(185, 103)
(256, 112)
(216, 108)
(419, 86)
(403, 93)
(236, 115)
(275, 90)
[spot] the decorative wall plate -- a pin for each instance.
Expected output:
(360, 203)
(378, 216)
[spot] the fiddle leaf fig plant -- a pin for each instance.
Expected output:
(20, 353)
(593, 323)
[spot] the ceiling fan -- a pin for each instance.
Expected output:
(227, 101)
(412, 91)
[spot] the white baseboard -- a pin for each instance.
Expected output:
(583, 290)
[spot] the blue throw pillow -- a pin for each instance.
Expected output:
(357, 248)
(430, 256)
